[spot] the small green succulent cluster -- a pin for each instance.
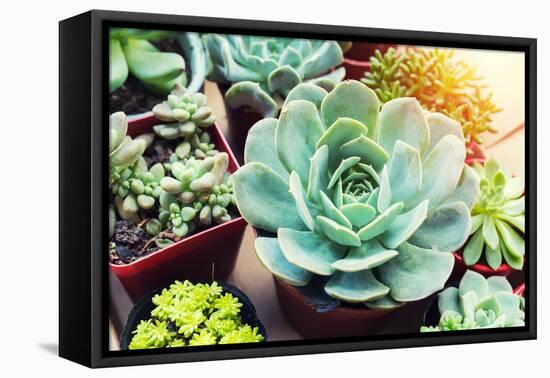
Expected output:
(479, 303)
(131, 51)
(370, 199)
(498, 219)
(197, 193)
(190, 314)
(263, 70)
(438, 82)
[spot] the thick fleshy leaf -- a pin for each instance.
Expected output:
(352, 99)
(356, 287)
(514, 188)
(368, 256)
(307, 211)
(332, 212)
(118, 125)
(282, 80)
(251, 95)
(263, 198)
(324, 57)
(149, 65)
(329, 80)
(298, 130)
(340, 234)
(310, 251)
(477, 222)
(489, 232)
(367, 149)
(404, 226)
(415, 273)
(448, 300)
(380, 223)
(343, 167)
(341, 131)
(405, 172)
(473, 249)
(473, 281)
(446, 229)
(510, 306)
(359, 214)
(271, 256)
(318, 175)
(493, 256)
(517, 221)
(118, 69)
(307, 91)
(516, 262)
(384, 304)
(385, 191)
(440, 125)
(468, 302)
(403, 119)
(260, 146)
(513, 241)
(442, 170)
(467, 189)
(514, 207)
(498, 283)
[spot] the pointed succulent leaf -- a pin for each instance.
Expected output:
(351, 99)
(403, 119)
(514, 188)
(516, 262)
(332, 212)
(270, 254)
(318, 174)
(340, 234)
(380, 223)
(297, 246)
(323, 58)
(498, 283)
(384, 191)
(446, 229)
(367, 149)
(306, 211)
(359, 214)
(440, 126)
(367, 256)
(474, 248)
(118, 69)
(341, 131)
(404, 226)
(298, 130)
(405, 172)
(510, 307)
(384, 304)
(150, 65)
(263, 199)
(493, 256)
(513, 241)
(260, 146)
(490, 232)
(356, 287)
(467, 189)
(415, 273)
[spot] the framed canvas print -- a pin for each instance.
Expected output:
(234, 188)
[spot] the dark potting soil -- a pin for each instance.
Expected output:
(130, 240)
(159, 151)
(132, 97)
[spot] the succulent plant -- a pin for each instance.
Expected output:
(189, 314)
(439, 82)
(479, 303)
(370, 199)
(263, 70)
(131, 50)
(124, 151)
(498, 219)
(198, 192)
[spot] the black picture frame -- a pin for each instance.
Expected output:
(83, 265)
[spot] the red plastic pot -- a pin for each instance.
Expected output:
(478, 154)
(208, 255)
(340, 322)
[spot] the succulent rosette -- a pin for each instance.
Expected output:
(370, 199)
(263, 70)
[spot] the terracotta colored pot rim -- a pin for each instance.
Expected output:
(145, 121)
(482, 268)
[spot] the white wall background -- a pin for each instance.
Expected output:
(28, 187)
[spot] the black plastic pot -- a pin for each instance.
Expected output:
(142, 311)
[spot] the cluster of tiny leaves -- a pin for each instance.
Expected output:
(189, 314)
(441, 84)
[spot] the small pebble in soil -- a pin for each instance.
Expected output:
(130, 240)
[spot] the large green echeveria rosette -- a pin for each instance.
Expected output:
(369, 200)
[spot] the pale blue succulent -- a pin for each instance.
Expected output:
(373, 200)
(263, 70)
(479, 302)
